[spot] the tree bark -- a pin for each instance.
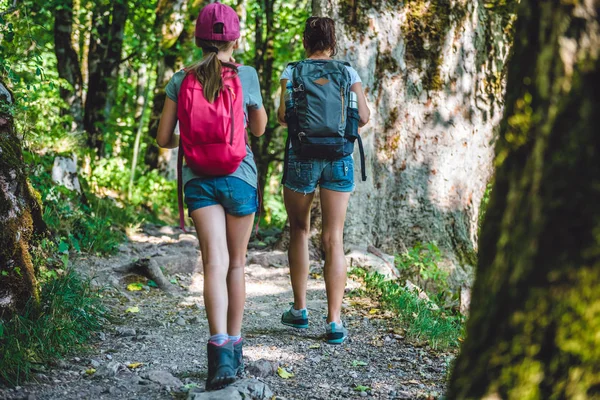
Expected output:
(68, 62)
(103, 64)
(433, 72)
(170, 24)
(20, 218)
(263, 62)
(533, 330)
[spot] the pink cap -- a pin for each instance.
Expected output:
(218, 22)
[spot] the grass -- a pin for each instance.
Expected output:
(420, 319)
(69, 314)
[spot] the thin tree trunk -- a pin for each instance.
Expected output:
(263, 62)
(170, 23)
(103, 63)
(433, 73)
(138, 137)
(20, 218)
(535, 315)
(68, 63)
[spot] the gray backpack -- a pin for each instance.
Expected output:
(320, 123)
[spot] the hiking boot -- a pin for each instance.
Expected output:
(295, 321)
(221, 371)
(238, 354)
(336, 333)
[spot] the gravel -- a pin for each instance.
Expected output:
(160, 351)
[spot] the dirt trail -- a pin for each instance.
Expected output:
(151, 353)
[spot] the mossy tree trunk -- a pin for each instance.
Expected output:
(534, 330)
(433, 71)
(20, 217)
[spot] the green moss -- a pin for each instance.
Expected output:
(426, 27)
(425, 30)
(391, 121)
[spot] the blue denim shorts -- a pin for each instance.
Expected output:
(304, 174)
(237, 197)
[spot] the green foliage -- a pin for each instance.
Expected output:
(421, 264)
(87, 223)
(421, 319)
(69, 314)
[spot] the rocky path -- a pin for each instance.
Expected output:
(155, 346)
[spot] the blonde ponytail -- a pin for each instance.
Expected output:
(209, 70)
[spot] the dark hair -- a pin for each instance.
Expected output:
(319, 35)
(208, 70)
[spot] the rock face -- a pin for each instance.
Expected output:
(433, 72)
(247, 389)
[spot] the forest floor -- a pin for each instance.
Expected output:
(158, 351)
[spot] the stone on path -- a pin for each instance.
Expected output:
(164, 378)
(247, 389)
(261, 368)
(109, 370)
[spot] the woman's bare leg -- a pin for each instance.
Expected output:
(297, 206)
(239, 230)
(210, 223)
(334, 205)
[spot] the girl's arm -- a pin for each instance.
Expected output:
(363, 108)
(281, 110)
(168, 119)
(257, 121)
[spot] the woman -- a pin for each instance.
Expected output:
(222, 207)
(336, 180)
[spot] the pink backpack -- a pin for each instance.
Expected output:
(212, 136)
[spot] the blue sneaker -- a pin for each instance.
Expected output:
(336, 333)
(294, 320)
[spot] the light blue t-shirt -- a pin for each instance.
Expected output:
(354, 78)
(252, 99)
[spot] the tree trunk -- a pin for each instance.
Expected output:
(533, 330)
(263, 62)
(68, 62)
(433, 73)
(103, 63)
(170, 25)
(20, 217)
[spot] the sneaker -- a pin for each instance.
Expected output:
(288, 318)
(336, 333)
(221, 371)
(238, 354)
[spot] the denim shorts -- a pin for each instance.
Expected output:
(237, 197)
(304, 174)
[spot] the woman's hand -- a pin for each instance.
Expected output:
(168, 119)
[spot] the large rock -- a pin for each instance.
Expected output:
(383, 264)
(64, 172)
(272, 258)
(247, 389)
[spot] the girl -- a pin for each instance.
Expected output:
(222, 207)
(336, 179)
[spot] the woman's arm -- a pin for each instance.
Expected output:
(363, 108)
(257, 121)
(281, 110)
(168, 119)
